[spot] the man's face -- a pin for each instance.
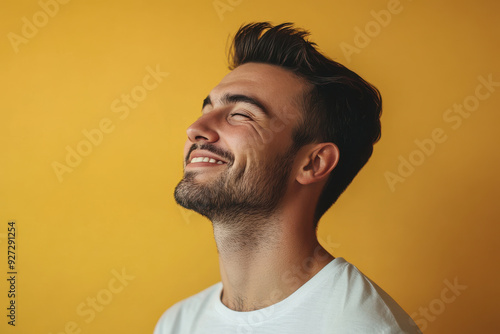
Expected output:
(239, 153)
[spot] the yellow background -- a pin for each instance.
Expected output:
(115, 210)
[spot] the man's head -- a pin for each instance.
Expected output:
(246, 128)
(299, 97)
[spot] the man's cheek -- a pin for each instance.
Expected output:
(252, 148)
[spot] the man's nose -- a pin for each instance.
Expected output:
(205, 128)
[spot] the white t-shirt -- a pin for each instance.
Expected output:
(338, 299)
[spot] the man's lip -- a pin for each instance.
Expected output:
(203, 153)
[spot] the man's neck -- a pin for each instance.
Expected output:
(264, 265)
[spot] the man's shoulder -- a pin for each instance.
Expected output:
(360, 300)
(185, 311)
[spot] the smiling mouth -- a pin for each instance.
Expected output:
(207, 159)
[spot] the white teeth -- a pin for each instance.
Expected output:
(206, 159)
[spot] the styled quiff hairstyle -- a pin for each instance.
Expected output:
(341, 107)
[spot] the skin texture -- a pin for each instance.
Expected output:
(261, 200)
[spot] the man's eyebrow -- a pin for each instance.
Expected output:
(235, 98)
(206, 101)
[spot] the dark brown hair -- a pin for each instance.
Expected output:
(341, 107)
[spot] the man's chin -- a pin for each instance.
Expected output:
(201, 179)
(192, 195)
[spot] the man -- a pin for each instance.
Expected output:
(279, 139)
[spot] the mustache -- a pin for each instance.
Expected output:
(228, 156)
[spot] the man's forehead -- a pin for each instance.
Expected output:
(265, 74)
(276, 87)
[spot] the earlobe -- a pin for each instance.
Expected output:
(319, 163)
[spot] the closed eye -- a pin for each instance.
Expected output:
(240, 114)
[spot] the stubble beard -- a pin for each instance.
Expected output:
(238, 199)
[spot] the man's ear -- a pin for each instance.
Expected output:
(318, 164)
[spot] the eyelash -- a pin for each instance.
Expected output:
(240, 114)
